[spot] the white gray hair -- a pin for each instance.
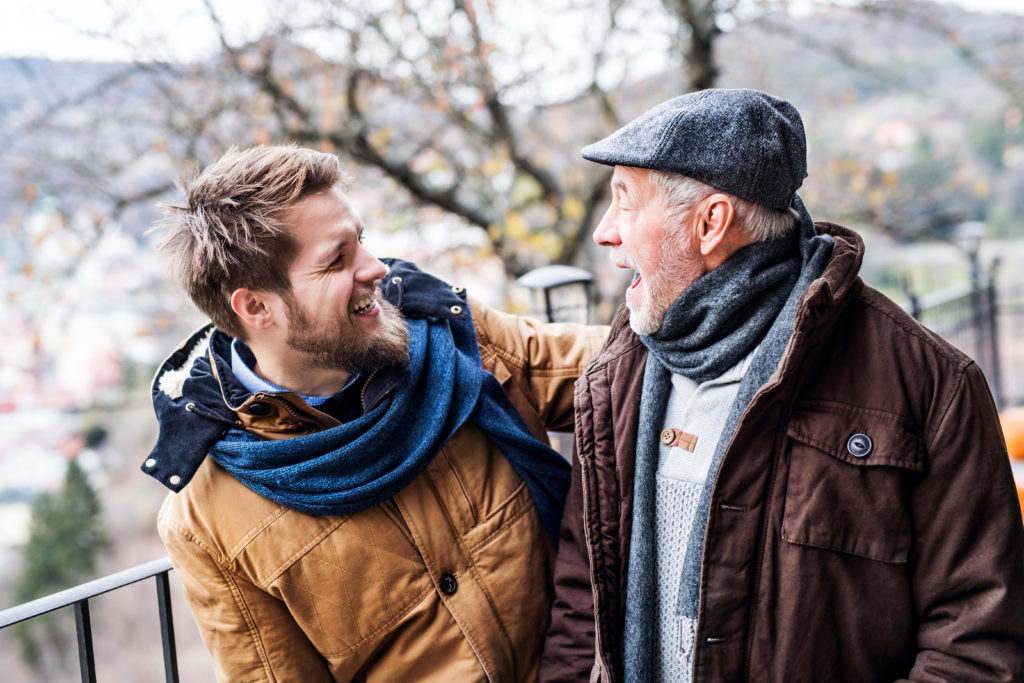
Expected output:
(682, 193)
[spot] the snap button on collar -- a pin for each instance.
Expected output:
(859, 445)
(457, 289)
(456, 310)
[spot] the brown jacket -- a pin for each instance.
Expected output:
(818, 565)
(448, 581)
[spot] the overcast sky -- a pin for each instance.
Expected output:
(60, 29)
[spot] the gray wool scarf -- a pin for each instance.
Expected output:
(750, 299)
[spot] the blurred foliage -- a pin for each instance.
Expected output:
(478, 109)
(66, 536)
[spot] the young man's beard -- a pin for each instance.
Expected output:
(337, 344)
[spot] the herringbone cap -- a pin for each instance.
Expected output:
(744, 142)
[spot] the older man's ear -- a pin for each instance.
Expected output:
(714, 227)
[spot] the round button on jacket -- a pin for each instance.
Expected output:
(448, 584)
(859, 445)
(258, 408)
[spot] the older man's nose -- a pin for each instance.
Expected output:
(607, 234)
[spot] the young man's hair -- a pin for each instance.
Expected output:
(682, 193)
(229, 232)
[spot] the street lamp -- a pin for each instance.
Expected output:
(559, 293)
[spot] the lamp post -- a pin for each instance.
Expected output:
(968, 237)
(559, 293)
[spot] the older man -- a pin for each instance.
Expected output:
(361, 488)
(780, 475)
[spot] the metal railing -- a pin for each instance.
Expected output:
(968, 318)
(79, 596)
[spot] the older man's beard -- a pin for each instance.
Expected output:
(662, 286)
(338, 344)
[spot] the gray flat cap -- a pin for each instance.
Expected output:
(744, 142)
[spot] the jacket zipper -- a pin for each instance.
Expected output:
(362, 392)
(306, 419)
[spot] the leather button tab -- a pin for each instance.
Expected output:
(259, 409)
(448, 584)
(859, 445)
(679, 439)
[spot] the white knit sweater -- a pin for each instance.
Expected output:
(697, 410)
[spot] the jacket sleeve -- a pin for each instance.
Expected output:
(227, 610)
(569, 647)
(535, 362)
(967, 560)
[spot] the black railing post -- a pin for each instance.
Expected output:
(163, 596)
(83, 625)
(915, 306)
(978, 319)
(993, 334)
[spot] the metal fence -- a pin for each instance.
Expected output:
(968, 319)
(985, 321)
(79, 596)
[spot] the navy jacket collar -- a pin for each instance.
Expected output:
(195, 393)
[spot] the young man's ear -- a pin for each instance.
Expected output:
(251, 308)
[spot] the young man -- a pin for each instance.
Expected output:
(781, 476)
(361, 484)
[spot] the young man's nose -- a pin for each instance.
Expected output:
(370, 268)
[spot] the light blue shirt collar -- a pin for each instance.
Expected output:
(254, 383)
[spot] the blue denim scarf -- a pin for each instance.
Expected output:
(365, 461)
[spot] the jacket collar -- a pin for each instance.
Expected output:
(198, 399)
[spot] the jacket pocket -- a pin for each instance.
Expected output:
(850, 473)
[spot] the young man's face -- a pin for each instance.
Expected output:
(636, 229)
(336, 314)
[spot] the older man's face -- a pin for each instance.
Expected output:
(641, 237)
